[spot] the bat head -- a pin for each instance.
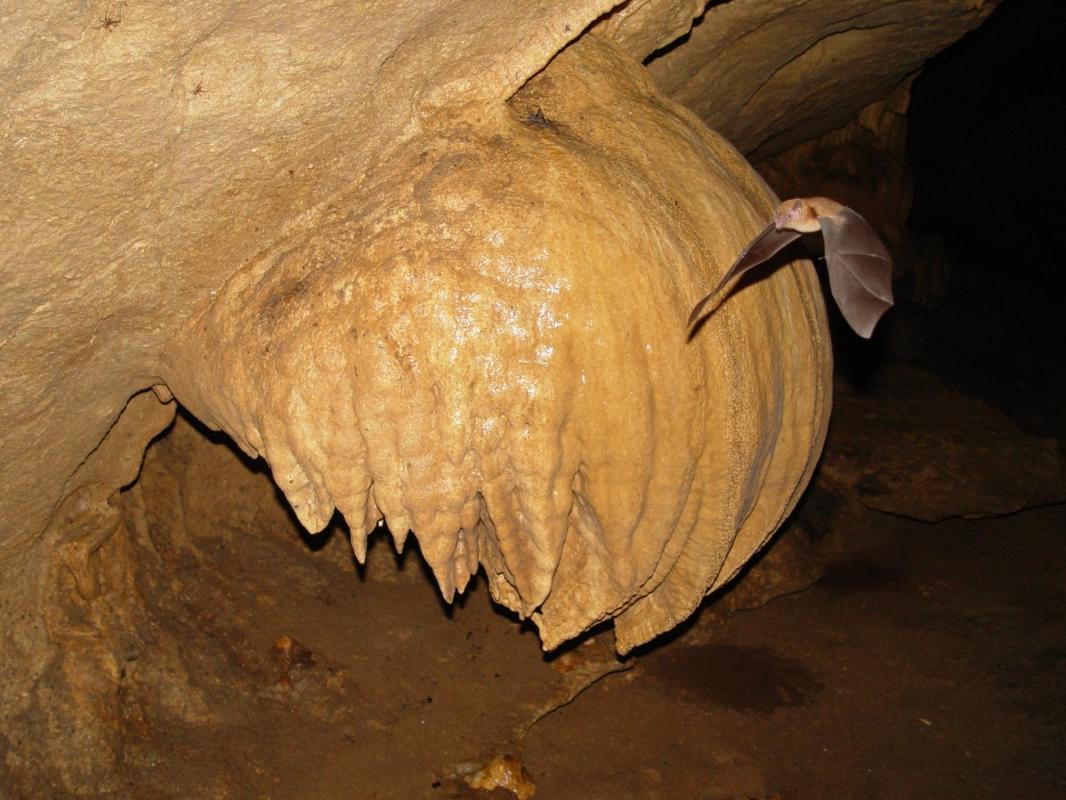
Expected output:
(796, 215)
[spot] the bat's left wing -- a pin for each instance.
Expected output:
(768, 243)
(860, 269)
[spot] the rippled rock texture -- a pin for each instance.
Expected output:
(431, 262)
(487, 352)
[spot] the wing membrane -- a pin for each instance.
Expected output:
(860, 270)
(767, 244)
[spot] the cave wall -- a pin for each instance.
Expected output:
(151, 150)
(770, 74)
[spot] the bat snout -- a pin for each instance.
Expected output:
(796, 215)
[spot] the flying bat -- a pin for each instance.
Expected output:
(860, 269)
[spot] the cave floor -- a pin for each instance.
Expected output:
(928, 662)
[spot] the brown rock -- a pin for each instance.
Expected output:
(769, 74)
(481, 353)
(159, 159)
(131, 195)
(862, 165)
(505, 772)
(921, 450)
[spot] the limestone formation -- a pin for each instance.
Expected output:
(486, 352)
(769, 74)
(432, 262)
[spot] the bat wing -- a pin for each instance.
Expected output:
(768, 243)
(860, 269)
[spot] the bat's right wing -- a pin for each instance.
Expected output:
(767, 244)
(860, 269)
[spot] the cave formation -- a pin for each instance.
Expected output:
(313, 311)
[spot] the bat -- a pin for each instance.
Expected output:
(860, 269)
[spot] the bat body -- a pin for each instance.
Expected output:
(860, 269)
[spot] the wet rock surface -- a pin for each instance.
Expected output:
(184, 639)
(909, 654)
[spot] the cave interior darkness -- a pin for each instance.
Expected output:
(866, 654)
(984, 142)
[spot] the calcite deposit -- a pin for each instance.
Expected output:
(431, 261)
(490, 352)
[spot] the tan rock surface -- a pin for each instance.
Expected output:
(150, 149)
(149, 157)
(157, 156)
(166, 146)
(486, 352)
(641, 27)
(768, 74)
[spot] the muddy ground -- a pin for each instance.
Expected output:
(927, 660)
